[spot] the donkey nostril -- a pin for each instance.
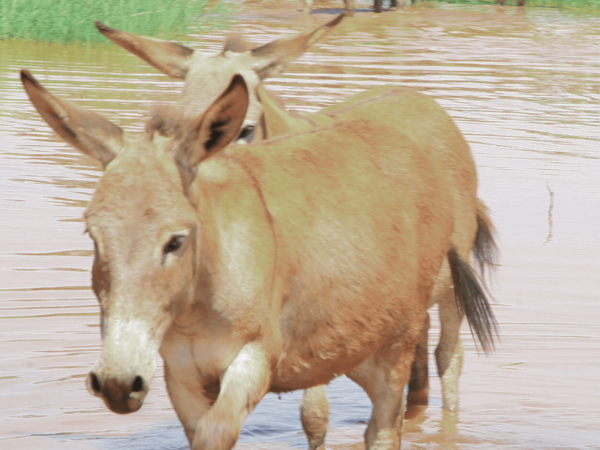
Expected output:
(95, 383)
(138, 384)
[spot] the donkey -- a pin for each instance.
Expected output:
(207, 75)
(349, 6)
(268, 267)
(268, 118)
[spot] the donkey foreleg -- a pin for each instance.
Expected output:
(383, 376)
(418, 386)
(243, 385)
(190, 393)
(314, 412)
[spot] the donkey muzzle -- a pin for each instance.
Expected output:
(122, 395)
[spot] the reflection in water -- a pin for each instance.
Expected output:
(523, 87)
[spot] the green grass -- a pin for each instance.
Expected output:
(72, 21)
(589, 5)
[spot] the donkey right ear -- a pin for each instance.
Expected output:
(84, 130)
(170, 58)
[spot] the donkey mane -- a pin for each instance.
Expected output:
(234, 42)
(168, 120)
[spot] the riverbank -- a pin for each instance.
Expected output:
(71, 21)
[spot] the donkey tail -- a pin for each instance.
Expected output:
(485, 249)
(472, 300)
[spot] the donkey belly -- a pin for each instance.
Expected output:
(335, 324)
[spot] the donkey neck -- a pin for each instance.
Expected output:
(278, 121)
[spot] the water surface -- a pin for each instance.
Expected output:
(523, 86)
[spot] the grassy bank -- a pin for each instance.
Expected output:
(590, 5)
(71, 21)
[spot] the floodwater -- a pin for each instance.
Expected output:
(524, 87)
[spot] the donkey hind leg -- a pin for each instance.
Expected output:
(418, 386)
(314, 412)
(383, 376)
(470, 300)
(377, 4)
(449, 352)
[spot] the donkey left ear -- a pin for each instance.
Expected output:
(218, 126)
(85, 130)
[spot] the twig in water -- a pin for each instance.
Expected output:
(550, 209)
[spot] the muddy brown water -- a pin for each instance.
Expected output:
(524, 87)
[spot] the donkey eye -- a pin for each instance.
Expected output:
(174, 244)
(246, 133)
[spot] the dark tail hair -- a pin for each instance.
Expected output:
(472, 300)
(485, 249)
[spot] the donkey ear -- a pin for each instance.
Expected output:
(169, 57)
(217, 127)
(84, 130)
(273, 58)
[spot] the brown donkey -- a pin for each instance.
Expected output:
(268, 267)
(412, 112)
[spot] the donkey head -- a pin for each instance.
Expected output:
(207, 75)
(144, 226)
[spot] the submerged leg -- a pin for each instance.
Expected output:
(377, 5)
(450, 378)
(314, 412)
(418, 386)
(449, 352)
